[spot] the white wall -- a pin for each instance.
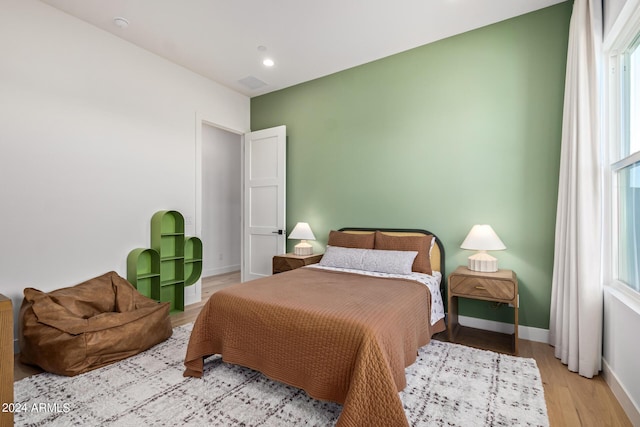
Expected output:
(611, 10)
(221, 200)
(620, 350)
(96, 135)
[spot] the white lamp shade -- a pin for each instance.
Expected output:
(482, 238)
(302, 231)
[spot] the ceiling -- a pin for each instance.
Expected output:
(227, 40)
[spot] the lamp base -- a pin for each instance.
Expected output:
(483, 262)
(303, 248)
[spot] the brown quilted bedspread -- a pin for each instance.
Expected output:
(340, 337)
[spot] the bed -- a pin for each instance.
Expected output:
(342, 330)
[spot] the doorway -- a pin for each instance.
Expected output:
(221, 220)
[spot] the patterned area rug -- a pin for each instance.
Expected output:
(449, 385)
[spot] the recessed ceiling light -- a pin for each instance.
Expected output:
(121, 22)
(268, 62)
(262, 48)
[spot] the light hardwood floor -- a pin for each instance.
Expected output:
(572, 400)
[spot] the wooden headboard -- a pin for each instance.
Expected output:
(437, 252)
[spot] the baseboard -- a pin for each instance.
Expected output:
(524, 332)
(629, 407)
(220, 270)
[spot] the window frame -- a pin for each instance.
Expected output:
(622, 37)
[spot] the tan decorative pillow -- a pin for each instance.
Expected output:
(421, 244)
(351, 240)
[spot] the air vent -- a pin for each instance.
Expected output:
(252, 83)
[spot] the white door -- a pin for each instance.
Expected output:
(264, 200)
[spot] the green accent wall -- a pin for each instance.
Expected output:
(462, 131)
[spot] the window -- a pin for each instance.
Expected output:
(625, 169)
(629, 225)
(631, 70)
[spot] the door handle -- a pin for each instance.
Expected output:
(277, 232)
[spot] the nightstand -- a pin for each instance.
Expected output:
(286, 262)
(499, 287)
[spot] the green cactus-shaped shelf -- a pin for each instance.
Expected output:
(173, 261)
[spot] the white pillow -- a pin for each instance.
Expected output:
(393, 262)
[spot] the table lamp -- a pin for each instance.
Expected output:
(482, 238)
(303, 232)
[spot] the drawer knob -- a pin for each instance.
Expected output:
(482, 288)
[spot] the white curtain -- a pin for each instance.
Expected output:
(576, 299)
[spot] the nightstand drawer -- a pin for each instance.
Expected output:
(483, 288)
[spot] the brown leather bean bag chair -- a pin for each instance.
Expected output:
(74, 330)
